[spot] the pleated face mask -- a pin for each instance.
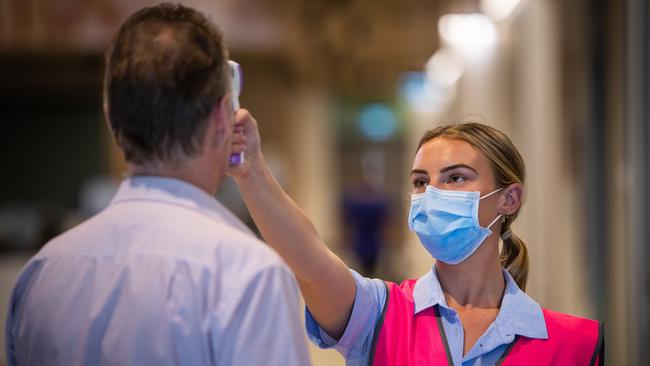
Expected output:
(447, 223)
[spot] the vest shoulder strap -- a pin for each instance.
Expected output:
(571, 340)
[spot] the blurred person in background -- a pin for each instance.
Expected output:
(165, 275)
(471, 308)
(365, 217)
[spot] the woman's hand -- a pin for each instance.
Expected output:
(325, 282)
(246, 139)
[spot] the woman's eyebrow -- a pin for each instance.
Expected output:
(419, 171)
(452, 167)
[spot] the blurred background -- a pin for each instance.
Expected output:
(342, 90)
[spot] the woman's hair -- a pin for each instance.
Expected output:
(508, 168)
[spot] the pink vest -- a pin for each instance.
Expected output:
(403, 338)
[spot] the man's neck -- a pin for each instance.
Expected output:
(196, 174)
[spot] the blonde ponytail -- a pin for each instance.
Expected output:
(514, 256)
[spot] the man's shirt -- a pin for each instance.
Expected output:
(165, 275)
(518, 315)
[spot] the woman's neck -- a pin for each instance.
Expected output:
(476, 282)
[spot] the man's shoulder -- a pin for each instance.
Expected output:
(248, 251)
(186, 235)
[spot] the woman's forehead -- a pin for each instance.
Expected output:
(438, 153)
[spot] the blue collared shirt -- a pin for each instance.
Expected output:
(165, 275)
(518, 315)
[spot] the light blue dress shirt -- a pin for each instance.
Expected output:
(518, 315)
(164, 276)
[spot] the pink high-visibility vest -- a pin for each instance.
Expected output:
(403, 338)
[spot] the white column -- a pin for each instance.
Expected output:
(550, 222)
(314, 181)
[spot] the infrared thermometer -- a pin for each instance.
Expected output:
(236, 83)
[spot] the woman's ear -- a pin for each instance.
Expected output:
(512, 199)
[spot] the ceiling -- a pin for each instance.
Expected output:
(360, 45)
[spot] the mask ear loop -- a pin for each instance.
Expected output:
(491, 193)
(493, 221)
(500, 215)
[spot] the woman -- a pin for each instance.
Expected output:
(470, 309)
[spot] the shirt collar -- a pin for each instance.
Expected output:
(175, 192)
(427, 292)
(519, 314)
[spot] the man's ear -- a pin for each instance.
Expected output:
(513, 196)
(224, 110)
(105, 110)
(107, 119)
(221, 120)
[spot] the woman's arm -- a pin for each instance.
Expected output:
(324, 280)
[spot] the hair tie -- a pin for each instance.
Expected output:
(507, 235)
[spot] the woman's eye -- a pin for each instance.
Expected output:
(419, 183)
(456, 178)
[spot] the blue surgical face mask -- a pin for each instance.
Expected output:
(447, 223)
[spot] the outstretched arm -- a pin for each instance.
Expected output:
(324, 280)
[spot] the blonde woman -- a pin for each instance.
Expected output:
(471, 308)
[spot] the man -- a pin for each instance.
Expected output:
(165, 275)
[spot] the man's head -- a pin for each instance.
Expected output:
(166, 72)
